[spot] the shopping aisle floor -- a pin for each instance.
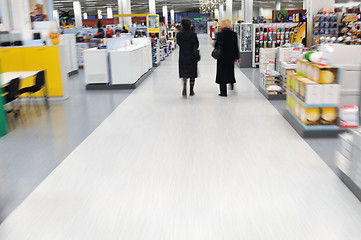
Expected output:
(205, 167)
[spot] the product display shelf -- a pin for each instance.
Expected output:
(245, 41)
(325, 25)
(269, 35)
(348, 160)
(310, 131)
(155, 52)
(81, 47)
(274, 80)
(289, 91)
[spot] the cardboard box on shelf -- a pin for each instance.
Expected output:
(330, 93)
(325, 74)
(309, 91)
(349, 117)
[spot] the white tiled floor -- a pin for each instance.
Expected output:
(205, 167)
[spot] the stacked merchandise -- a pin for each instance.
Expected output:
(286, 71)
(272, 83)
(288, 55)
(325, 26)
(270, 35)
(348, 159)
(155, 51)
(350, 30)
(266, 55)
(313, 94)
(81, 46)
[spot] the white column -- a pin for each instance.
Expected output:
(51, 10)
(17, 18)
(304, 4)
(109, 12)
(312, 8)
(216, 14)
(165, 15)
(152, 7)
(5, 15)
(260, 11)
(229, 9)
(124, 8)
(243, 6)
(85, 15)
(221, 12)
(248, 11)
(56, 17)
(127, 10)
(278, 4)
(77, 14)
(172, 16)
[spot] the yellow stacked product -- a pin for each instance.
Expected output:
(317, 73)
(329, 115)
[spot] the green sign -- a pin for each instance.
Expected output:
(198, 18)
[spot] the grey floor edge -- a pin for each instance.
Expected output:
(40, 140)
(203, 167)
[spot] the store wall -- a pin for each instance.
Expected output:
(267, 13)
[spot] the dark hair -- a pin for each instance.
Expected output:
(186, 24)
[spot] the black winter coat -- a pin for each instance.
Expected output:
(188, 42)
(225, 66)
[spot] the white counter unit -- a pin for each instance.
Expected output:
(69, 41)
(129, 64)
(96, 66)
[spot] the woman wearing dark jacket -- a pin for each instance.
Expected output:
(188, 43)
(225, 65)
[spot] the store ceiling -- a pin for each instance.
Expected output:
(142, 6)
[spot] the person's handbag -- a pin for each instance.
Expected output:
(218, 50)
(196, 56)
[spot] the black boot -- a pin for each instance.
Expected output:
(184, 93)
(192, 82)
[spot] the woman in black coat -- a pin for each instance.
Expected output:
(188, 43)
(225, 65)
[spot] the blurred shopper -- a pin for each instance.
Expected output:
(227, 40)
(188, 56)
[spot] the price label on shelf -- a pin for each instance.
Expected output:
(295, 54)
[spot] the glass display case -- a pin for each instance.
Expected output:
(245, 42)
(245, 37)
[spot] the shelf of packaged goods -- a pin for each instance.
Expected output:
(290, 92)
(275, 96)
(313, 127)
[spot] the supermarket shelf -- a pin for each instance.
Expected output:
(310, 105)
(350, 184)
(272, 97)
(311, 131)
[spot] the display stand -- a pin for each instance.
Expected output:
(348, 160)
(272, 97)
(245, 40)
(267, 80)
(311, 131)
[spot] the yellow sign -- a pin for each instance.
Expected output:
(152, 20)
